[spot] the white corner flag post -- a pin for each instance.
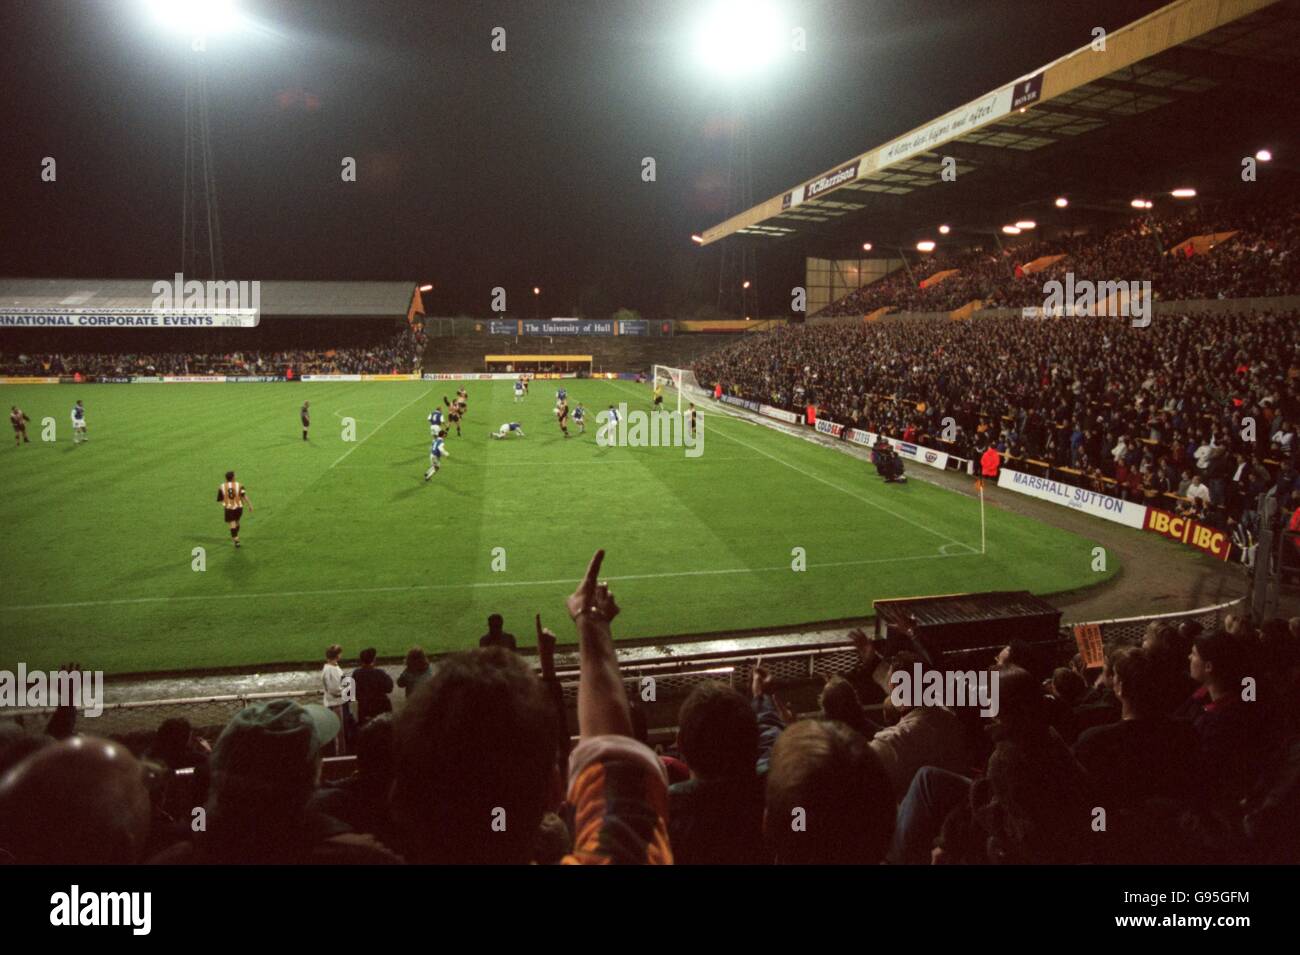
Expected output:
(980, 484)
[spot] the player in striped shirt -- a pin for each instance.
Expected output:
(437, 451)
(233, 498)
(562, 415)
(19, 421)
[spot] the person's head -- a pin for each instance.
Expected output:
(718, 732)
(1136, 680)
(1068, 686)
(495, 623)
(839, 701)
(230, 475)
(367, 657)
(417, 661)
(80, 801)
(1217, 659)
(171, 741)
(264, 766)
(333, 652)
(1022, 706)
(829, 799)
(1019, 653)
(475, 746)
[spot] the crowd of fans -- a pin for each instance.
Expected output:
(1186, 746)
(1260, 260)
(1202, 408)
(400, 355)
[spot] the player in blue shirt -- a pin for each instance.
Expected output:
(519, 389)
(561, 395)
(580, 418)
(435, 421)
(437, 451)
(509, 428)
(78, 423)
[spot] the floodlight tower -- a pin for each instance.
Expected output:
(738, 265)
(736, 40)
(200, 215)
(197, 21)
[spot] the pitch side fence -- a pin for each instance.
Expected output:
(674, 676)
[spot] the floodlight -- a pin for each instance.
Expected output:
(1138, 204)
(426, 288)
(697, 239)
(866, 246)
(925, 245)
(1010, 230)
(739, 37)
(745, 284)
(1187, 193)
(1062, 202)
(1024, 224)
(1264, 155)
(195, 18)
(944, 230)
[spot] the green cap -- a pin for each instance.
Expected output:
(272, 742)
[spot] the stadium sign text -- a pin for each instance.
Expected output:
(1075, 498)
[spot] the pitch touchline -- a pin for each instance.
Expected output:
(853, 494)
(473, 585)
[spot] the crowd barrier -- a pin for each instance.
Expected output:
(674, 672)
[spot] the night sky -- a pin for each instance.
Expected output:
(475, 168)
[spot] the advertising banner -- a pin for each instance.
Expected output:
(1212, 541)
(127, 318)
(26, 380)
(1075, 498)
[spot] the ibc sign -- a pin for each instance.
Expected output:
(1187, 531)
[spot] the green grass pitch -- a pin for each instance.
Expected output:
(348, 543)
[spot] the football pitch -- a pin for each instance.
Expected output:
(348, 544)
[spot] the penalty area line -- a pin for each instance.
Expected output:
(475, 585)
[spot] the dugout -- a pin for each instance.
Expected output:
(961, 631)
(538, 364)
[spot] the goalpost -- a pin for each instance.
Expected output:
(681, 381)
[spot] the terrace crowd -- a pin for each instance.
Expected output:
(1259, 260)
(1203, 408)
(478, 767)
(401, 355)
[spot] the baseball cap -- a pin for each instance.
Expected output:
(274, 742)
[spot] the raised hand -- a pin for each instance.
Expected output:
(591, 599)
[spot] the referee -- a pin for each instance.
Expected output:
(306, 419)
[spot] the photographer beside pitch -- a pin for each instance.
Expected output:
(888, 462)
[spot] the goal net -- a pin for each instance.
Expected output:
(679, 384)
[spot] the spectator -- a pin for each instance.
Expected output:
(828, 797)
(417, 671)
(265, 768)
(372, 686)
(477, 747)
(79, 801)
(1146, 755)
(335, 699)
(496, 635)
(717, 815)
